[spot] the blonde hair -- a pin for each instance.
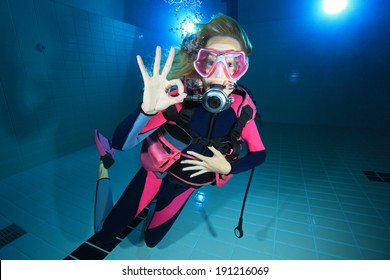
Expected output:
(219, 25)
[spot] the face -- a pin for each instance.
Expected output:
(222, 43)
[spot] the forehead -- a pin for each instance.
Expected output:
(223, 43)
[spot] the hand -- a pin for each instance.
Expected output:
(156, 88)
(202, 164)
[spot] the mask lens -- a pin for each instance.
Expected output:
(205, 62)
(234, 63)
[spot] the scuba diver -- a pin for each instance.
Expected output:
(192, 122)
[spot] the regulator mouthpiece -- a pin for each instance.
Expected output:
(213, 100)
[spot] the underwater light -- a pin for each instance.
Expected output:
(188, 27)
(334, 6)
(188, 15)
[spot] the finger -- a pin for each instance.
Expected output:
(168, 63)
(198, 173)
(179, 94)
(193, 162)
(198, 156)
(194, 167)
(177, 99)
(176, 83)
(157, 61)
(214, 150)
(142, 68)
(180, 86)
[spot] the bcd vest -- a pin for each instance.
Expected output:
(162, 150)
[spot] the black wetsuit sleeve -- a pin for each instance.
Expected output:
(250, 160)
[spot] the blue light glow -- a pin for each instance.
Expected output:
(200, 197)
(188, 27)
(188, 15)
(334, 6)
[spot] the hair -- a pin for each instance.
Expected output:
(219, 25)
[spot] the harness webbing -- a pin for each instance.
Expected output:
(223, 144)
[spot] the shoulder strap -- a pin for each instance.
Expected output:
(235, 133)
(245, 116)
(183, 117)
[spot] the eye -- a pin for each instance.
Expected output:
(209, 60)
(232, 63)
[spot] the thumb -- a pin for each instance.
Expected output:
(178, 99)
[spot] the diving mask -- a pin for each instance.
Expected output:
(233, 63)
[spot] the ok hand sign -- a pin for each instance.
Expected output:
(156, 87)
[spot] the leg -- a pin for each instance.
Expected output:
(168, 208)
(103, 197)
(138, 194)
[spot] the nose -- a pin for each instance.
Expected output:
(220, 72)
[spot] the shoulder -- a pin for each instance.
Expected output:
(242, 97)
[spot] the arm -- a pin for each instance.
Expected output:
(256, 150)
(135, 128)
(156, 98)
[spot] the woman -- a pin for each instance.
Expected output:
(192, 121)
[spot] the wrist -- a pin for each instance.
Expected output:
(228, 169)
(147, 112)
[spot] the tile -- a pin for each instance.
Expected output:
(56, 237)
(293, 216)
(130, 254)
(215, 246)
(339, 250)
(203, 255)
(353, 188)
(241, 253)
(304, 241)
(19, 216)
(321, 196)
(380, 204)
(340, 223)
(285, 251)
(335, 235)
(300, 206)
(187, 239)
(326, 212)
(11, 253)
(320, 188)
(259, 212)
(295, 227)
(257, 241)
(38, 249)
(326, 256)
(382, 232)
(379, 244)
(375, 255)
(349, 200)
(327, 204)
